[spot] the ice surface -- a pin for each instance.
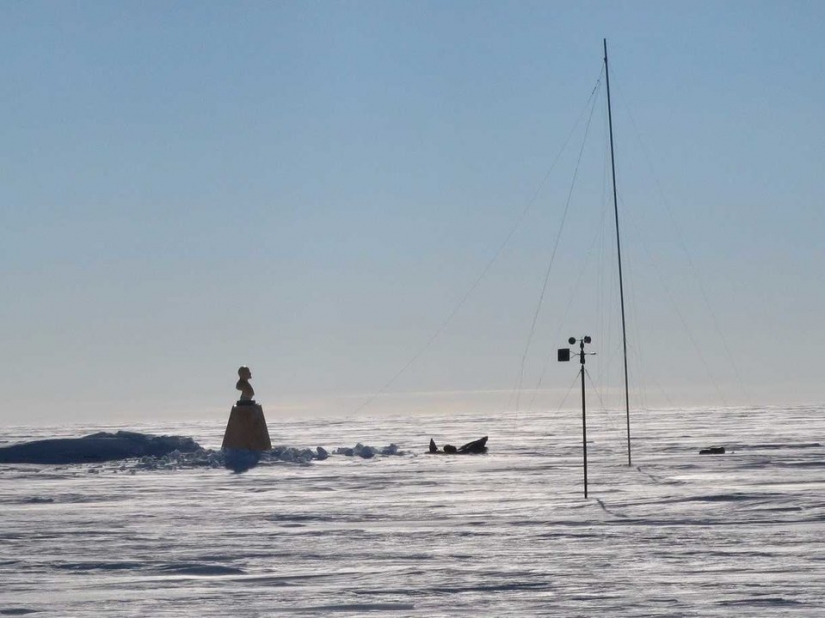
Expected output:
(306, 533)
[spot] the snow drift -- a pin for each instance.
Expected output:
(96, 448)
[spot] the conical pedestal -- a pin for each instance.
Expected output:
(246, 428)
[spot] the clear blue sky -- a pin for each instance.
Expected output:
(310, 188)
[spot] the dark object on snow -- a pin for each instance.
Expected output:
(476, 446)
(95, 448)
(713, 450)
(471, 448)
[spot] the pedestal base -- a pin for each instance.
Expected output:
(246, 428)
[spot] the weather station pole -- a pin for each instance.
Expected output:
(564, 356)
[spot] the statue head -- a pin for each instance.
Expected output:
(243, 385)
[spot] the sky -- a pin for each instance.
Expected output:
(362, 201)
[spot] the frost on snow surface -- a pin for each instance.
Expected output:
(387, 531)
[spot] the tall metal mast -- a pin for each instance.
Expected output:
(618, 249)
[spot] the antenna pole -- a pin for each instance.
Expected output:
(619, 251)
(584, 419)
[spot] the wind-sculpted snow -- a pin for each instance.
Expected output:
(241, 461)
(381, 531)
(368, 452)
(166, 452)
(97, 447)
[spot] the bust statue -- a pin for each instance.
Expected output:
(246, 429)
(243, 385)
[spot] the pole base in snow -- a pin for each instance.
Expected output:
(246, 428)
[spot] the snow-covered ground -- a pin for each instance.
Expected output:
(402, 533)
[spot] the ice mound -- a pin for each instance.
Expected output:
(297, 455)
(149, 452)
(368, 452)
(241, 460)
(238, 460)
(96, 448)
(201, 458)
